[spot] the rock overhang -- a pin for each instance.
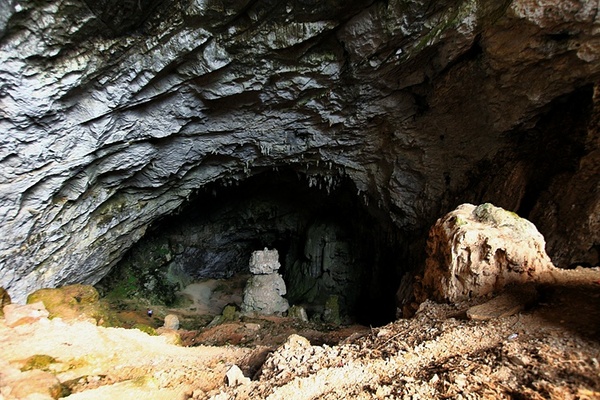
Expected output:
(103, 133)
(331, 241)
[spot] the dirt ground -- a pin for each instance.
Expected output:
(550, 350)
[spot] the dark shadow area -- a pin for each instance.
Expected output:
(555, 145)
(329, 243)
(574, 307)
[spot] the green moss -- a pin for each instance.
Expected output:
(182, 302)
(146, 272)
(58, 298)
(38, 361)
(73, 302)
(459, 221)
(484, 212)
(229, 313)
(451, 20)
(146, 329)
(314, 94)
(298, 312)
(513, 214)
(331, 314)
(124, 288)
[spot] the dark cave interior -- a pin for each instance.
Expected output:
(329, 241)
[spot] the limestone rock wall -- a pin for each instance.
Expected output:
(113, 113)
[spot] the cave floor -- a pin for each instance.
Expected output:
(551, 350)
(203, 301)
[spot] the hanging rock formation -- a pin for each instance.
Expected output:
(114, 113)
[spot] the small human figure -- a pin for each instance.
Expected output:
(149, 312)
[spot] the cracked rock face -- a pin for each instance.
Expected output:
(114, 113)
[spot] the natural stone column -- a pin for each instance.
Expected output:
(264, 290)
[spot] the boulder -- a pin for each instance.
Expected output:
(298, 312)
(17, 314)
(263, 295)
(474, 251)
(235, 377)
(264, 261)
(508, 303)
(34, 384)
(171, 322)
(229, 314)
(74, 302)
(171, 336)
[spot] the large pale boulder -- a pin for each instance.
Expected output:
(17, 314)
(34, 384)
(74, 302)
(474, 251)
(171, 322)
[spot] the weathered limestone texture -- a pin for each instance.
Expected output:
(18, 314)
(263, 262)
(113, 114)
(264, 290)
(263, 295)
(474, 251)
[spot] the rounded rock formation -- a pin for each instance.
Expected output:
(474, 251)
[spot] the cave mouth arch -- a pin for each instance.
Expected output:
(330, 242)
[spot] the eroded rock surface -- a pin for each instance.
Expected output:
(474, 251)
(265, 289)
(113, 114)
(264, 262)
(17, 314)
(263, 294)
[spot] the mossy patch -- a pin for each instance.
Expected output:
(38, 361)
(109, 210)
(146, 329)
(74, 302)
(143, 273)
(331, 314)
(459, 221)
(230, 313)
(4, 300)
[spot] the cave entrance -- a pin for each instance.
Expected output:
(330, 244)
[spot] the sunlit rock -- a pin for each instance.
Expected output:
(478, 250)
(17, 314)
